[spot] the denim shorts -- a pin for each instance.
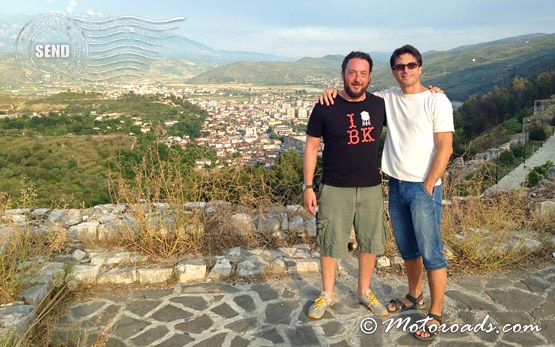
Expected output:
(342, 208)
(416, 220)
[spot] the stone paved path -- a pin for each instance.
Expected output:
(273, 313)
(513, 179)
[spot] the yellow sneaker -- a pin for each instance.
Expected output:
(320, 305)
(371, 302)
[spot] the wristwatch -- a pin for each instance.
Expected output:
(307, 186)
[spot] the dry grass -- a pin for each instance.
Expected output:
(485, 233)
(79, 334)
(542, 222)
(189, 228)
(23, 249)
(37, 332)
(490, 232)
(45, 328)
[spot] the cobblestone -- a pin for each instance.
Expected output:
(273, 312)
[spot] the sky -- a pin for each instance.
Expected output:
(301, 28)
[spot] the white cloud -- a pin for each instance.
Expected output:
(93, 13)
(320, 27)
(71, 6)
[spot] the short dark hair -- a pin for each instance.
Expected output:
(356, 54)
(404, 50)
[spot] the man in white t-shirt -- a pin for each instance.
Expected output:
(417, 149)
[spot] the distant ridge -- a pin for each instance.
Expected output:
(461, 72)
(477, 69)
(303, 71)
(504, 41)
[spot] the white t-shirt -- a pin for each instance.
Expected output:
(412, 119)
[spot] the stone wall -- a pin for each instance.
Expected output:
(93, 265)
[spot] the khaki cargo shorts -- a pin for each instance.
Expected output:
(339, 209)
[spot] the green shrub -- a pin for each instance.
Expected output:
(518, 150)
(537, 174)
(537, 134)
(513, 126)
(506, 157)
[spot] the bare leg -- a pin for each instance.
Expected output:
(366, 264)
(437, 280)
(414, 270)
(329, 268)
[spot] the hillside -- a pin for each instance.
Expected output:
(461, 72)
(95, 114)
(478, 69)
(303, 71)
(67, 170)
(166, 70)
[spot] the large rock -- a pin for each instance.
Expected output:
(126, 275)
(221, 270)
(191, 270)
(241, 223)
(85, 273)
(35, 295)
(66, 218)
(17, 215)
(154, 275)
(86, 231)
(303, 265)
(545, 209)
(252, 266)
(15, 315)
(297, 225)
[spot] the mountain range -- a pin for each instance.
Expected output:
(461, 72)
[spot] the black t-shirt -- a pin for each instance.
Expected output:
(351, 133)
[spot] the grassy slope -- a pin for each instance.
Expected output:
(66, 170)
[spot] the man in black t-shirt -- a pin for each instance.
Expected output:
(350, 192)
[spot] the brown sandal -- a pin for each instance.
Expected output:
(400, 306)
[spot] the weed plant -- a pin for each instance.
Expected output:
(489, 232)
(163, 183)
(23, 248)
(484, 232)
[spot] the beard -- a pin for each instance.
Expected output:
(355, 95)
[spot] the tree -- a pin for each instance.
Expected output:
(288, 176)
